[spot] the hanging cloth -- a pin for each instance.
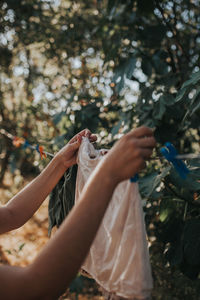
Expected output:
(118, 259)
(62, 198)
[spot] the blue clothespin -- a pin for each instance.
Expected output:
(26, 144)
(170, 153)
(134, 178)
(37, 148)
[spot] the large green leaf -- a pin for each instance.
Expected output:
(194, 79)
(124, 70)
(191, 183)
(57, 117)
(150, 182)
(146, 66)
(159, 110)
(181, 94)
(188, 86)
(116, 128)
(167, 207)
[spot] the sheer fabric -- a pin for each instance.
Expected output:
(118, 259)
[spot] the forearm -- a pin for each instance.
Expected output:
(56, 266)
(58, 263)
(61, 259)
(22, 206)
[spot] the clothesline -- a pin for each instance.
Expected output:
(168, 152)
(19, 141)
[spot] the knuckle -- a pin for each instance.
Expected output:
(146, 129)
(133, 142)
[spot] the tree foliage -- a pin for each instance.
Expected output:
(110, 66)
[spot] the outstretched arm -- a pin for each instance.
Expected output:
(22, 206)
(60, 260)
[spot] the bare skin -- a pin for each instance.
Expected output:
(52, 271)
(21, 207)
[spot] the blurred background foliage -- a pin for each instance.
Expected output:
(111, 66)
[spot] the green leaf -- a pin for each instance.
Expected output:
(167, 206)
(191, 240)
(194, 78)
(195, 103)
(167, 233)
(152, 35)
(146, 66)
(62, 198)
(116, 128)
(130, 66)
(145, 6)
(145, 184)
(58, 117)
(196, 96)
(150, 182)
(187, 185)
(124, 70)
(159, 109)
(59, 141)
(188, 85)
(159, 65)
(77, 285)
(181, 94)
(175, 253)
(197, 107)
(111, 5)
(167, 99)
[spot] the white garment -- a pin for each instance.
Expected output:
(118, 259)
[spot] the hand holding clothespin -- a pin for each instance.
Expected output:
(171, 154)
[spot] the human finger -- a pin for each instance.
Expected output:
(93, 138)
(147, 142)
(87, 133)
(84, 132)
(141, 132)
(76, 144)
(146, 152)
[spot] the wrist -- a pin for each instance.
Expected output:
(61, 164)
(105, 175)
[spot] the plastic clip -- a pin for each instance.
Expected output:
(40, 150)
(134, 178)
(170, 153)
(26, 144)
(17, 141)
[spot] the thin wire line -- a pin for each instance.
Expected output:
(179, 156)
(10, 136)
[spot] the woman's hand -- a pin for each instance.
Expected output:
(68, 154)
(129, 154)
